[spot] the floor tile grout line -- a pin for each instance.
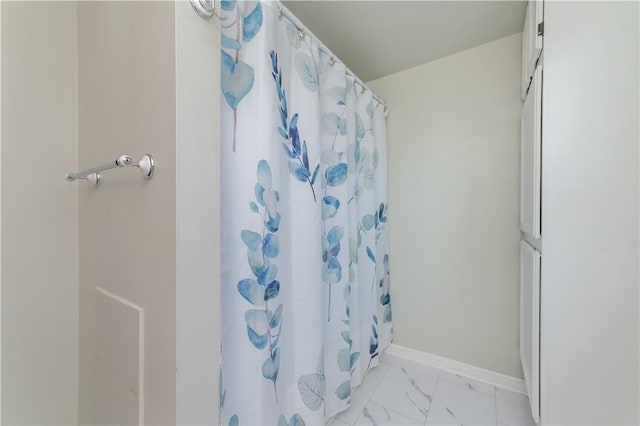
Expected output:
(395, 411)
(433, 397)
(455, 373)
(437, 390)
(495, 402)
(366, 374)
(375, 390)
(472, 379)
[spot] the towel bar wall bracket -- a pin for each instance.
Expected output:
(147, 165)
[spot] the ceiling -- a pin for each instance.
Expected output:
(378, 38)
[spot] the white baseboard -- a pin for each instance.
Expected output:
(497, 379)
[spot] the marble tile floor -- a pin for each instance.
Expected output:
(402, 392)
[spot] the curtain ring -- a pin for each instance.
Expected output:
(332, 61)
(363, 89)
(280, 12)
(300, 34)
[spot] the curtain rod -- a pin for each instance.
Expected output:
(284, 12)
(206, 9)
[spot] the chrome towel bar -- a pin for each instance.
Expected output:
(146, 165)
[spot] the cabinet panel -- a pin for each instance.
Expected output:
(531, 42)
(530, 323)
(530, 157)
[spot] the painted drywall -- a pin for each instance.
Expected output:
(39, 214)
(454, 151)
(197, 216)
(0, 214)
(127, 105)
(590, 194)
(397, 35)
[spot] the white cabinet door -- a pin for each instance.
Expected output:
(530, 324)
(530, 157)
(531, 42)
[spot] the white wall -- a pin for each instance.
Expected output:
(44, 390)
(197, 216)
(454, 146)
(590, 194)
(39, 214)
(127, 105)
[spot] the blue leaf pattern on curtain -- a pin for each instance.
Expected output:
(263, 325)
(237, 76)
(298, 154)
(306, 306)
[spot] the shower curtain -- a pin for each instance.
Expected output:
(305, 266)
